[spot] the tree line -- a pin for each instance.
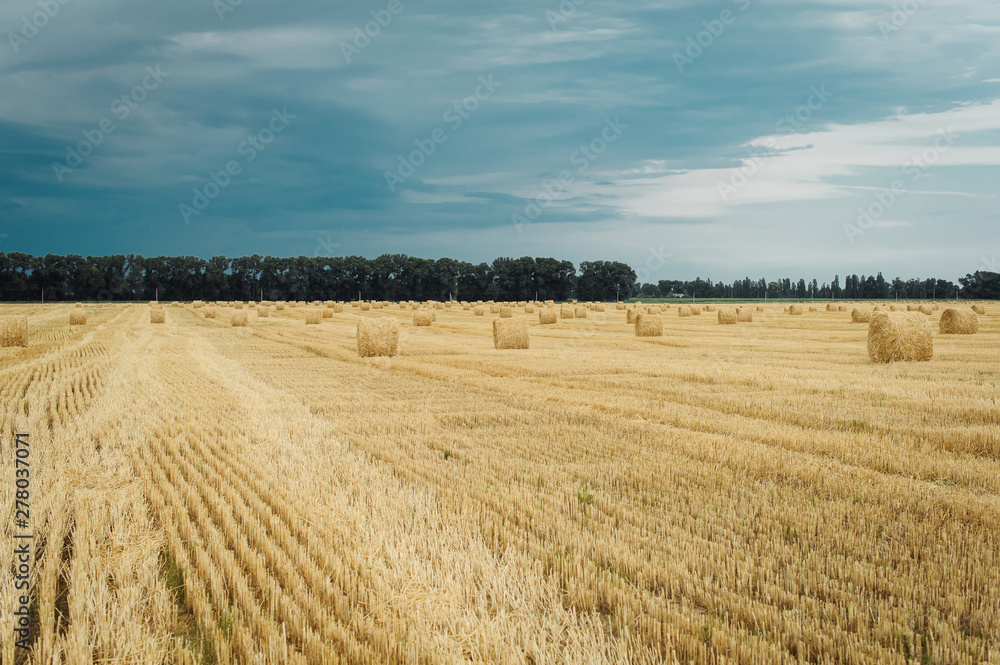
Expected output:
(124, 277)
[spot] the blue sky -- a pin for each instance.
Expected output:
(719, 139)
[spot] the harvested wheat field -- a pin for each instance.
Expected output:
(760, 493)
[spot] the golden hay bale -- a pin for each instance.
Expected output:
(79, 304)
(760, 309)
(238, 305)
(926, 309)
(198, 304)
(830, 307)
(695, 310)
(899, 337)
(506, 313)
(209, 312)
(529, 309)
(630, 314)
(157, 316)
(979, 309)
(910, 308)
(377, 337)
(175, 304)
(77, 318)
(795, 309)
(683, 310)
(599, 307)
(510, 333)
(842, 308)
(619, 305)
(366, 306)
(648, 325)
(13, 331)
(727, 316)
(313, 317)
(422, 317)
(709, 308)
(937, 307)
(466, 306)
(861, 315)
(959, 322)
(895, 308)
(239, 319)
(279, 306)
(479, 311)
(879, 308)
(812, 309)
(653, 310)
(263, 312)
(580, 312)
(565, 312)
(546, 316)
(494, 309)
(744, 315)
(439, 305)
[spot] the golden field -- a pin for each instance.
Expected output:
(749, 493)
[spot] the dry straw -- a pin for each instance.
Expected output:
(198, 304)
(648, 325)
(209, 312)
(812, 309)
(911, 308)
(795, 309)
(479, 311)
(630, 314)
(744, 315)
(580, 312)
(926, 309)
(263, 312)
(313, 317)
(959, 322)
(510, 333)
(727, 316)
(861, 315)
(506, 313)
(695, 310)
(599, 307)
(327, 313)
(899, 337)
(565, 312)
(529, 309)
(377, 337)
(619, 305)
(13, 331)
(422, 317)
(683, 310)
(157, 316)
(494, 309)
(279, 306)
(365, 307)
(546, 316)
(842, 308)
(239, 304)
(979, 309)
(239, 319)
(77, 318)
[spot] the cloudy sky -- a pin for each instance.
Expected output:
(722, 139)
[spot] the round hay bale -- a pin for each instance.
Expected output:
(479, 311)
(422, 317)
(506, 313)
(77, 318)
(795, 310)
(599, 307)
(861, 315)
(830, 307)
(759, 308)
(959, 322)
(313, 317)
(466, 306)
(580, 312)
(209, 312)
(263, 312)
(842, 308)
(683, 310)
(744, 315)
(619, 305)
(565, 312)
(709, 308)
(14, 331)
(727, 316)
(926, 309)
(911, 308)
(279, 306)
(157, 316)
(494, 309)
(239, 319)
(439, 305)
(648, 325)
(695, 310)
(327, 313)
(979, 309)
(899, 337)
(546, 316)
(198, 304)
(377, 337)
(812, 309)
(630, 315)
(366, 307)
(238, 305)
(510, 333)
(529, 309)
(895, 308)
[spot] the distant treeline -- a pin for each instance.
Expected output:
(401, 277)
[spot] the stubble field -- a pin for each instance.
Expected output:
(755, 493)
